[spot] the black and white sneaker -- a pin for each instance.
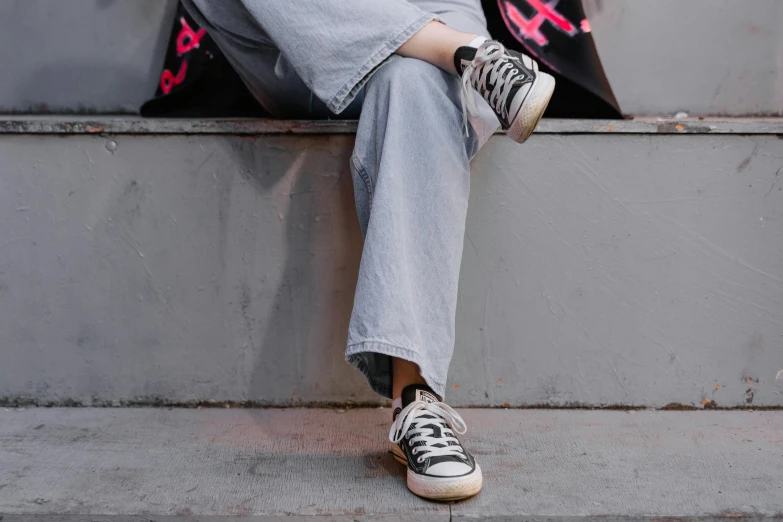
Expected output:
(509, 81)
(439, 468)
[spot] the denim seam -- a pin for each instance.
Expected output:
(347, 92)
(357, 165)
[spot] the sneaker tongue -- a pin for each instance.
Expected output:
(463, 57)
(418, 392)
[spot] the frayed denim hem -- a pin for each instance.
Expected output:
(378, 373)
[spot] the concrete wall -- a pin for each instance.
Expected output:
(598, 268)
(702, 56)
(81, 55)
(719, 57)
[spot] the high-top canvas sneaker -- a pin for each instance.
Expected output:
(423, 434)
(509, 81)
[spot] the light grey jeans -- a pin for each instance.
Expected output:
(410, 164)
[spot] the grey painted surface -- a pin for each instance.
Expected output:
(81, 55)
(598, 269)
(701, 56)
(152, 462)
(610, 269)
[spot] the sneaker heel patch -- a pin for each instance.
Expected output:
(425, 396)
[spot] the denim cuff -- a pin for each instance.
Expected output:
(373, 359)
(348, 92)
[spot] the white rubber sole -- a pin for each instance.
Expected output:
(531, 111)
(440, 488)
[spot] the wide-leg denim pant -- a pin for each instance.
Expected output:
(410, 165)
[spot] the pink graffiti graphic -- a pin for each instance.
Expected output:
(585, 25)
(188, 39)
(168, 81)
(545, 12)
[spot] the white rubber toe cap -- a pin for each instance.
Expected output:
(448, 469)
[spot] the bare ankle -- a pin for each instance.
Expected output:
(404, 373)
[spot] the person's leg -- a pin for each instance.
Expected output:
(404, 373)
(274, 82)
(466, 19)
(411, 178)
(436, 44)
(412, 181)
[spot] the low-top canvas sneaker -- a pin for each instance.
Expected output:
(423, 438)
(509, 81)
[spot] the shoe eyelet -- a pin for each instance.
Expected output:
(415, 451)
(420, 460)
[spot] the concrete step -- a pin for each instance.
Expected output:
(279, 464)
(176, 261)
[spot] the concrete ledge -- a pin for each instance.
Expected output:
(136, 125)
(598, 270)
(63, 465)
(377, 518)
